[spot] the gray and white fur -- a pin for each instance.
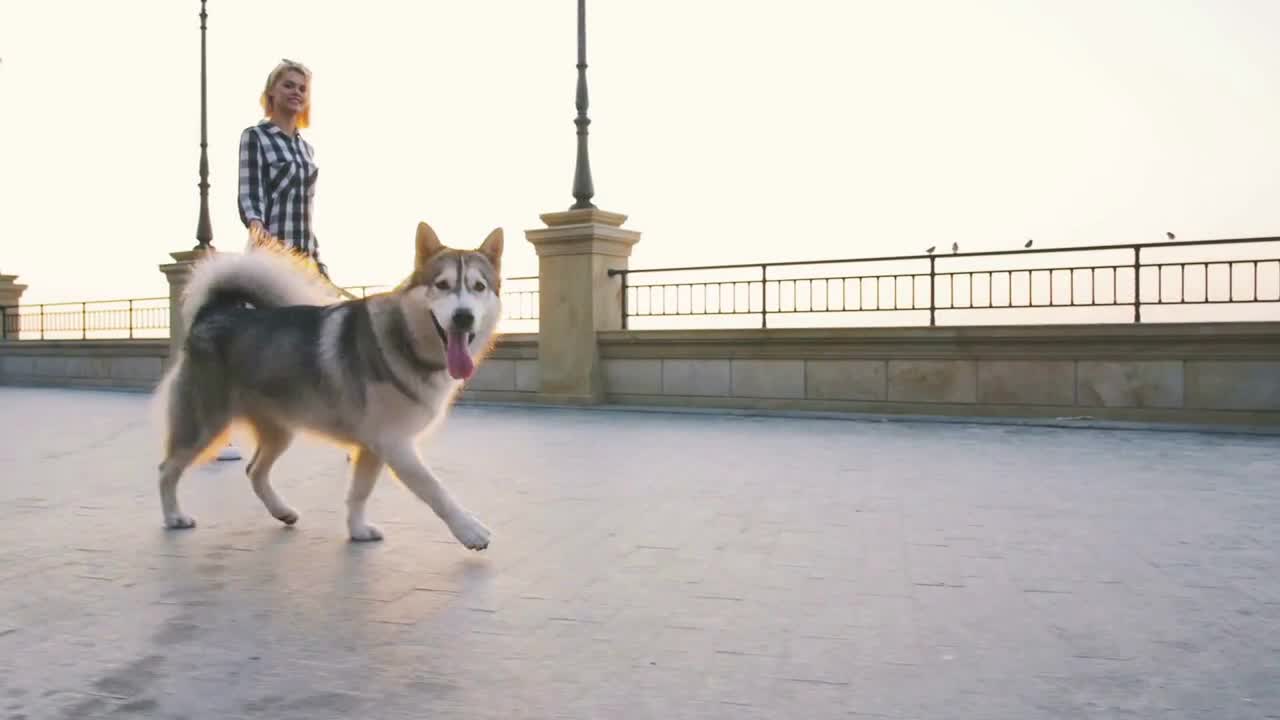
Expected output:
(270, 346)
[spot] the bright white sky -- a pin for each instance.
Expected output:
(728, 131)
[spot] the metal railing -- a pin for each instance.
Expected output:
(520, 303)
(1114, 283)
(137, 318)
(89, 320)
(1135, 277)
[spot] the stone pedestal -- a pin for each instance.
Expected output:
(177, 272)
(10, 297)
(577, 298)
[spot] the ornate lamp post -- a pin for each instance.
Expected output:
(204, 230)
(582, 186)
(580, 253)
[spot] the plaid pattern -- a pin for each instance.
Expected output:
(278, 184)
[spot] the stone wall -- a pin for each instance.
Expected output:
(1214, 374)
(1227, 374)
(115, 364)
(510, 372)
(511, 369)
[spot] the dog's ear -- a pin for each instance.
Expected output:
(426, 245)
(492, 247)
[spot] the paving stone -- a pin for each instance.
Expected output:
(646, 565)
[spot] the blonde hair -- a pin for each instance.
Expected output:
(287, 65)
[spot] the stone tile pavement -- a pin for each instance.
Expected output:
(647, 566)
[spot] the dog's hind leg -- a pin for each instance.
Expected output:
(248, 469)
(364, 475)
(273, 440)
(170, 471)
(404, 461)
(189, 434)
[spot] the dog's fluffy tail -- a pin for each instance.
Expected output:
(265, 277)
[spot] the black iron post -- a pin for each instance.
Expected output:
(204, 230)
(583, 190)
(933, 290)
(764, 296)
(1137, 285)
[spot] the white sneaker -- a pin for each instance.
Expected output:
(230, 452)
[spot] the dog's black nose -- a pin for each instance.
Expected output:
(463, 320)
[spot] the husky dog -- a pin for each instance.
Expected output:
(270, 346)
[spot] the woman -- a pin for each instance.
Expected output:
(277, 166)
(278, 173)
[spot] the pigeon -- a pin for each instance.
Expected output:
(955, 247)
(1169, 235)
(930, 250)
(1029, 241)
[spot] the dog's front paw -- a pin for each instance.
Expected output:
(286, 515)
(179, 521)
(365, 533)
(471, 533)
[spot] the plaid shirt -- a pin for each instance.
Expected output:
(278, 185)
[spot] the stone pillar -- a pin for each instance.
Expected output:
(177, 273)
(577, 298)
(10, 297)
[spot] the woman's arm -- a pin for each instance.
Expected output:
(253, 181)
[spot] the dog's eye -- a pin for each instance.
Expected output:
(442, 284)
(479, 286)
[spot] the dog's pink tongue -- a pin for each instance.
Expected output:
(458, 357)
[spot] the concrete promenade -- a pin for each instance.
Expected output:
(646, 565)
